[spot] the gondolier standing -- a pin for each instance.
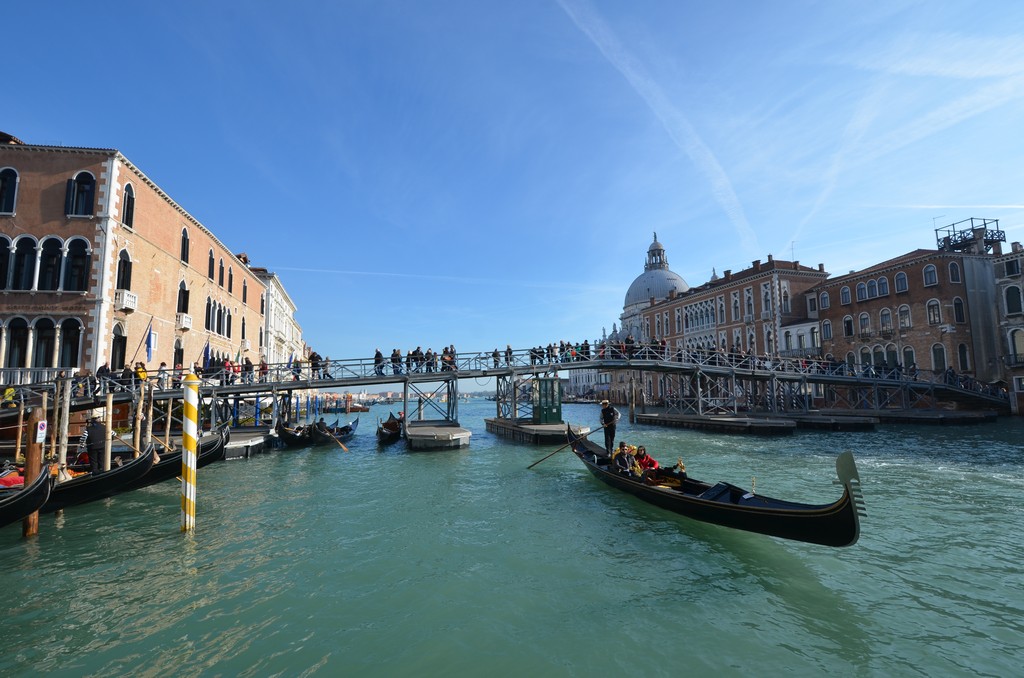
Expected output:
(609, 418)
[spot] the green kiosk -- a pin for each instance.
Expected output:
(547, 401)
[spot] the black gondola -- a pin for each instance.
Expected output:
(389, 430)
(293, 437)
(16, 504)
(211, 449)
(90, 487)
(835, 524)
(333, 433)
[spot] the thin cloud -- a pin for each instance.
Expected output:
(675, 123)
(561, 285)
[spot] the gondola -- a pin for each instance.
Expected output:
(211, 449)
(90, 487)
(333, 433)
(835, 524)
(16, 504)
(389, 430)
(293, 437)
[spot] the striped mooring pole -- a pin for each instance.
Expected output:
(190, 417)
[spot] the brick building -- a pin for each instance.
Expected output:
(98, 265)
(1010, 316)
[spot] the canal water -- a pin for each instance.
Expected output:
(465, 563)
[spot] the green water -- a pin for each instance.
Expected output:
(463, 563)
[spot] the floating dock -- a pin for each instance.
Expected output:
(722, 423)
(436, 435)
(525, 431)
(247, 441)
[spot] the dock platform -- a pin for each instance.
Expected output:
(435, 435)
(524, 431)
(722, 423)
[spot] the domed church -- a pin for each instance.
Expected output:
(656, 281)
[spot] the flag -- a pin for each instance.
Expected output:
(149, 343)
(290, 356)
(206, 355)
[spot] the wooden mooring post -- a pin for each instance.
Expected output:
(33, 467)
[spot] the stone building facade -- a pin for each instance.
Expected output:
(98, 265)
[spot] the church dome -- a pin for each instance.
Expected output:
(656, 281)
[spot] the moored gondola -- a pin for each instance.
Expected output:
(835, 524)
(90, 486)
(293, 437)
(389, 430)
(322, 434)
(211, 449)
(17, 503)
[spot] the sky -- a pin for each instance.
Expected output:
(488, 173)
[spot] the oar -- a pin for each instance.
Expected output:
(331, 433)
(563, 447)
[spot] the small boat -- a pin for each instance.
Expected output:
(835, 524)
(89, 487)
(18, 503)
(294, 437)
(211, 449)
(389, 430)
(333, 433)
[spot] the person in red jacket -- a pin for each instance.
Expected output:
(645, 460)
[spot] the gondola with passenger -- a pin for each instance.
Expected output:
(321, 434)
(835, 524)
(390, 430)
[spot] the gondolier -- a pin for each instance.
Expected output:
(609, 418)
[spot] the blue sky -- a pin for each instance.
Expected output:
(483, 173)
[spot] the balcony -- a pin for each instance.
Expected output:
(748, 318)
(246, 344)
(125, 300)
(183, 322)
(865, 334)
(766, 315)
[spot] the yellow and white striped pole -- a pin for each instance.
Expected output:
(190, 418)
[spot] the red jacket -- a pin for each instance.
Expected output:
(647, 461)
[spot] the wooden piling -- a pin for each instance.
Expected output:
(33, 467)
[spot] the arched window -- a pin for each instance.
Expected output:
(934, 312)
(862, 291)
(220, 273)
(823, 300)
(70, 343)
(961, 357)
(844, 295)
(5, 261)
(245, 292)
(17, 343)
(80, 195)
(263, 304)
(124, 271)
(1017, 345)
(815, 341)
(182, 297)
(24, 274)
(76, 269)
(901, 282)
(785, 303)
(45, 334)
(1013, 300)
(872, 289)
(883, 287)
(848, 326)
(211, 266)
(826, 330)
(938, 357)
(50, 259)
(905, 321)
(909, 359)
(184, 246)
(931, 275)
(864, 323)
(231, 279)
(243, 328)
(954, 272)
(128, 210)
(118, 348)
(958, 311)
(787, 340)
(885, 320)
(208, 323)
(8, 190)
(261, 338)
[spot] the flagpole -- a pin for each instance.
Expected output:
(149, 329)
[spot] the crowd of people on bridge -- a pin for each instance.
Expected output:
(415, 361)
